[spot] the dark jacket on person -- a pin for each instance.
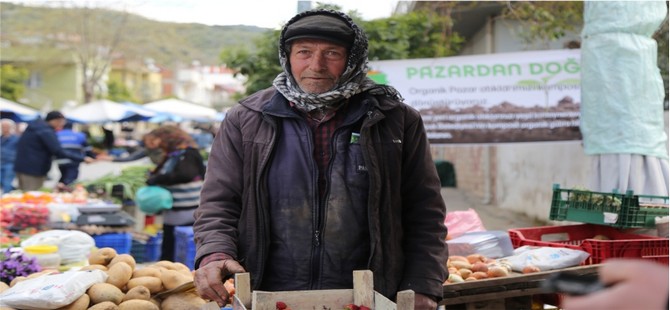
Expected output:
(37, 147)
(394, 183)
(181, 173)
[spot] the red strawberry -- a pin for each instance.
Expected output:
(351, 307)
(363, 308)
(281, 305)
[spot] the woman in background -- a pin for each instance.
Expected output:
(181, 172)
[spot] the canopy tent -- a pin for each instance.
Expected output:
(183, 109)
(622, 97)
(102, 111)
(17, 112)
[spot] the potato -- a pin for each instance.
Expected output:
(454, 258)
(460, 265)
(137, 304)
(154, 284)
(479, 275)
(138, 292)
(123, 258)
(41, 273)
(105, 305)
(497, 271)
(173, 278)
(473, 258)
(480, 266)
(100, 292)
(187, 273)
(3, 286)
(530, 269)
(183, 301)
(147, 272)
(102, 256)
(464, 273)
(80, 304)
(180, 266)
(165, 264)
(119, 274)
(16, 280)
(93, 267)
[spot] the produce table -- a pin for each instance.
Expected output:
(512, 292)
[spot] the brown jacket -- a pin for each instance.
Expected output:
(406, 210)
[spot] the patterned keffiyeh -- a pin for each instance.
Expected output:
(353, 81)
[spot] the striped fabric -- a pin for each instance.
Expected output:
(186, 194)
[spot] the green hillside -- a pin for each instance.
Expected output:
(138, 37)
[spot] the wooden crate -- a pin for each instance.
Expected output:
(362, 294)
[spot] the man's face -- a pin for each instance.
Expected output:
(57, 124)
(317, 65)
(6, 129)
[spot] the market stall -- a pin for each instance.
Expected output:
(602, 226)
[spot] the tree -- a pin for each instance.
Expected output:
(12, 82)
(117, 91)
(550, 20)
(545, 20)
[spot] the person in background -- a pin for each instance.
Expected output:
(322, 174)
(631, 284)
(8, 154)
(74, 142)
(36, 148)
(148, 148)
(181, 172)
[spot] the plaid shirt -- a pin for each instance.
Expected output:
(322, 131)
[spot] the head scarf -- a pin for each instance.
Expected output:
(353, 81)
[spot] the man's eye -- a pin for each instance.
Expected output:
(334, 55)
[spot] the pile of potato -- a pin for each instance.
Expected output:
(474, 267)
(128, 288)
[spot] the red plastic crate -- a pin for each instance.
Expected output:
(580, 237)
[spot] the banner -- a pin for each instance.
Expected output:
(492, 98)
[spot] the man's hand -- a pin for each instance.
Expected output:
(89, 160)
(209, 279)
(423, 302)
(635, 284)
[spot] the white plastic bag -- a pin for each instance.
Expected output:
(51, 291)
(545, 258)
(73, 246)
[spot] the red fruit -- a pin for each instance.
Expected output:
(281, 305)
(351, 307)
(363, 308)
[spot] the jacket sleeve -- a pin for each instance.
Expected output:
(51, 142)
(217, 217)
(424, 246)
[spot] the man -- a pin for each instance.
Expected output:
(322, 174)
(74, 142)
(8, 154)
(37, 147)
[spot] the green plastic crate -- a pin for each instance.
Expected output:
(611, 209)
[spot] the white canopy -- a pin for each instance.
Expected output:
(183, 109)
(102, 111)
(17, 112)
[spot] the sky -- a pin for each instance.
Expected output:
(261, 13)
